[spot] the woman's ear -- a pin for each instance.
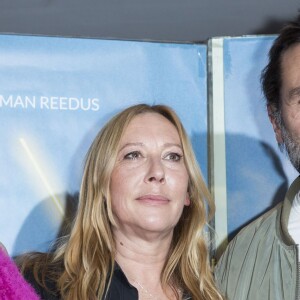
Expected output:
(187, 200)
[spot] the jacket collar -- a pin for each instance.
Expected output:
(282, 223)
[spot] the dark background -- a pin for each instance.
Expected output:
(156, 20)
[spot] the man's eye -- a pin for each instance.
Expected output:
(133, 155)
(174, 157)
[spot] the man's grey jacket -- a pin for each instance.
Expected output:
(260, 263)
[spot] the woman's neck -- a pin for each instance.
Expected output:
(142, 262)
(141, 252)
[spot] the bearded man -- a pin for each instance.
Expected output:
(262, 261)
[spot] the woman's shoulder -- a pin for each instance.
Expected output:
(46, 293)
(38, 271)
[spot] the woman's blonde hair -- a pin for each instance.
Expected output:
(82, 264)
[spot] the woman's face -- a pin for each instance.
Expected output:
(149, 182)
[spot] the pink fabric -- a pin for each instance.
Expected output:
(12, 285)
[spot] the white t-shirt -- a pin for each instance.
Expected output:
(294, 221)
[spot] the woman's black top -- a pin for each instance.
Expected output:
(119, 289)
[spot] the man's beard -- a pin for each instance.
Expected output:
(291, 146)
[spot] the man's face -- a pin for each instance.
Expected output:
(288, 132)
(292, 147)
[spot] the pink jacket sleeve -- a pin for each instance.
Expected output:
(12, 284)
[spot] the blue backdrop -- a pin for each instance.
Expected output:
(55, 95)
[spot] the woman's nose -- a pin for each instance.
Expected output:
(156, 171)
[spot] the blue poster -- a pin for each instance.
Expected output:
(257, 174)
(55, 95)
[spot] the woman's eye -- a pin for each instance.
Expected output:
(133, 155)
(174, 156)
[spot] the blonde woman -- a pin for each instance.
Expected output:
(139, 228)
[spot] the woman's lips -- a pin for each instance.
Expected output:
(153, 199)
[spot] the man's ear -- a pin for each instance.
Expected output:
(276, 126)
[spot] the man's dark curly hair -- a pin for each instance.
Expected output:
(271, 75)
